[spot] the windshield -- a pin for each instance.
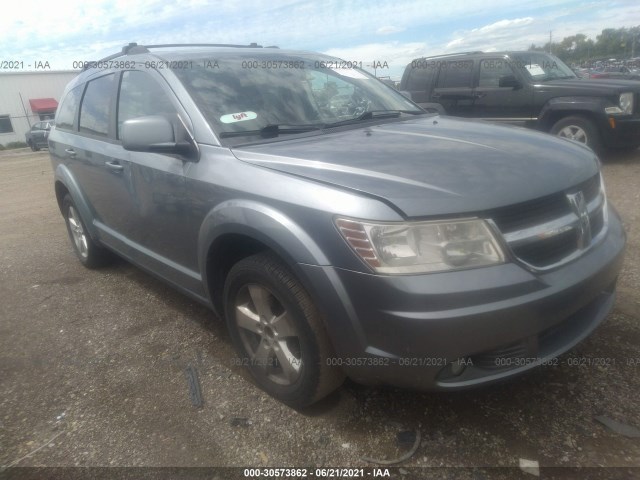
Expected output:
(542, 67)
(243, 94)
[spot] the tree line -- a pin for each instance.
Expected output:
(618, 43)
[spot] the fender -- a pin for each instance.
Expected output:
(594, 105)
(262, 223)
(63, 175)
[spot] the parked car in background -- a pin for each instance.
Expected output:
(620, 72)
(361, 236)
(37, 136)
(530, 89)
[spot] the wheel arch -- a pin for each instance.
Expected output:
(65, 184)
(560, 107)
(237, 229)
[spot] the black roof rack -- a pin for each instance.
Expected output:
(134, 48)
(454, 54)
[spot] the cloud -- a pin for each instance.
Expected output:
(396, 56)
(388, 30)
(81, 30)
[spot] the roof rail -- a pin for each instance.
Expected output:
(454, 54)
(134, 48)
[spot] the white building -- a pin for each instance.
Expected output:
(28, 97)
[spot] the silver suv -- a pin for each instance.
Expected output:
(336, 226)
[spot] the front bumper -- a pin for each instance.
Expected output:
(626, 132)
(407, 330)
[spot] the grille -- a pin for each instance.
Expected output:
(546, 231)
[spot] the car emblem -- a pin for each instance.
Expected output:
(579, 206)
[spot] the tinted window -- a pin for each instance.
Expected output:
(418, 77)
(67, 111)
(141, 95)
(95, 108)
(455, 73)
(491, 70)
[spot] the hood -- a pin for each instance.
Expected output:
(433, 165)
(594, 86)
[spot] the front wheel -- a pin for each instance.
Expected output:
(278, 333)
(580, 129)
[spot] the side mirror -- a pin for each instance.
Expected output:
(154, 133)
(509, 81)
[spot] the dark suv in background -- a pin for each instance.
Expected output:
(530, 89)
(336, 226)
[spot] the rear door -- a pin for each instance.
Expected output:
(104, 177)
(454, 87)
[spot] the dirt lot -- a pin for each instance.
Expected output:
(92, 373)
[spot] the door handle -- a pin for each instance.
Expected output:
(71, 152)
(114, 165)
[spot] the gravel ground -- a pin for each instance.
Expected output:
(92, 374)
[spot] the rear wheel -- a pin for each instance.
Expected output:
(88, 252)
(580, 129)
(33, 146)
(278, 333)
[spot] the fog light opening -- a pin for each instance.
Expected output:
(456, 368)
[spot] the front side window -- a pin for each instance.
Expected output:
(141, 95)
(492, 70)
(67, 111)
(95, 108)
(455, 74)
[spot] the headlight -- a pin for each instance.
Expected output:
(422, 247)
(624, 107)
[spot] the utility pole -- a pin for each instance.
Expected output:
(550, 37)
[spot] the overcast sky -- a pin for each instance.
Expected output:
(393, 31)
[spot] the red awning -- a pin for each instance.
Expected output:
(43, 104)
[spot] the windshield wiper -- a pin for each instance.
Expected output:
(372, 114)
(273, 130)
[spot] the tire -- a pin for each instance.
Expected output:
(88, 252)
(33, 146)
(278, 333)
(580, 129)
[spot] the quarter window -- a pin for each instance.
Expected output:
(67, 111)
(141, 95)
(455, 74)
(95, 108)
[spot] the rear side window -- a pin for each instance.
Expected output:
(67, 111)
(455, 73)
(95, 108)
(141, 95)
